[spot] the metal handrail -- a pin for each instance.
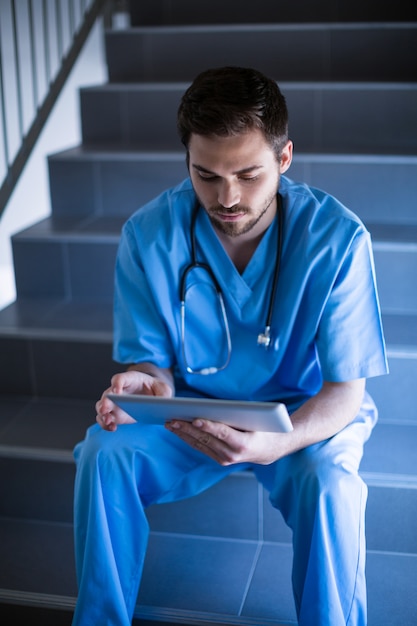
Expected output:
(42, 21)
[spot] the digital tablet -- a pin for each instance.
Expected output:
(260, 416)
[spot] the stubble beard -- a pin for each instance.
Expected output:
(235, 229)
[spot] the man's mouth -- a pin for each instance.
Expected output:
(230, 217)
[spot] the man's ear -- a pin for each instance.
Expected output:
(286, 157)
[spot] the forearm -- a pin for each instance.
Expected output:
(325, 414)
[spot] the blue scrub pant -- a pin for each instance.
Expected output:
(317, 490)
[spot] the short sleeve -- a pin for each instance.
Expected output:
(350, 340)
(139, 331)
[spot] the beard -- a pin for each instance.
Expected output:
(241, 227)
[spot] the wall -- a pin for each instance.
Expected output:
(30, 201)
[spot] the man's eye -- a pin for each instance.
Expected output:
(249, 179)
(212, 177)
(207, 178)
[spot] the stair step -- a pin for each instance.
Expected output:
(100, 183)
(58, 363)
(40, 434)
(395, 253)
(76, 261)
(160, 12)
(178, 583)
(390, 454)
(396, 394)
(57, 319)
(329, 52)
(35, 334)
(110, 182)
(348, 118)
(33, 555)
(54, 260)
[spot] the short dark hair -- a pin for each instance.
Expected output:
(230, 100)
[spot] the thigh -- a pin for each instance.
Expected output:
(164, 467)
(323, 462)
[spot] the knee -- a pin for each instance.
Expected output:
(327, 469)
(320, 475)
(99, 446)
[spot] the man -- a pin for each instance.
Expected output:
(323, 338)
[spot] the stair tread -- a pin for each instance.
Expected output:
(105, 228)
(58, 319)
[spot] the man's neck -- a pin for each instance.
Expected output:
(241, 248)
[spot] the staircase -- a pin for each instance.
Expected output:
(350, 78)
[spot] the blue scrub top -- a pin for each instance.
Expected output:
(326, 321)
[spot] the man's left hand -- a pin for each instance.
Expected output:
(228, 446)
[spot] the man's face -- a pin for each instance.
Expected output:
(236, 180)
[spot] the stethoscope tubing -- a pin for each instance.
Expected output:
(263, 338)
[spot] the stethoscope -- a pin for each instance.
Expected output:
(263, 339)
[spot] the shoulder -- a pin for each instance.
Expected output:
(319, 212)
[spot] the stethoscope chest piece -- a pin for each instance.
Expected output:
(264, 339)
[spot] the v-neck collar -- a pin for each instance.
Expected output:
(259, 269)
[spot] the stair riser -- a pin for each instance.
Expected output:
(65, 269)
(357, 182)
(337, 119)
(338, 53)
(386, 530)
(160, 12)
(118, 185)
(81, 369)
(396, 394)
(111, 186)
(38, 490)
(396, 271)
(60, 368)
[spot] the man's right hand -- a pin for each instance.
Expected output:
(109, 415)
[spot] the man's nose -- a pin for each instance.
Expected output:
(229, 194)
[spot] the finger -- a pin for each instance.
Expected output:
(202, 441)
(219, 430)
(119, 382)
(105, 405)
(106, 421)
